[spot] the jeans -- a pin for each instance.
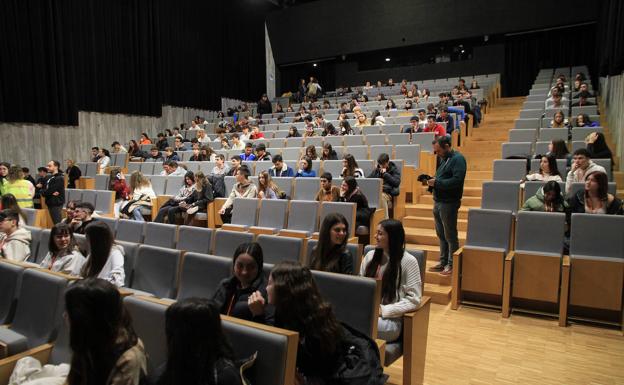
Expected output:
(389, 329)
(137, 216)
(445, 215)
(56, 213)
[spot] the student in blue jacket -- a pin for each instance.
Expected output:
(305, 168)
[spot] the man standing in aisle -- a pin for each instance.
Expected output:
(448, 187)
(54, 191)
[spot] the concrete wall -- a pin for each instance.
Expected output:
(612, 89)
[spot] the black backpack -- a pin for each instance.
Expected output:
(218, 185)
(359, 362)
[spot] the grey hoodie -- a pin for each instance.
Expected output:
(17, 245)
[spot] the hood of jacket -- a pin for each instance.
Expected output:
(20, 235)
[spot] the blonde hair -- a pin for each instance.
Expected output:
(15, 174)
(268, 183)
(137, 180)
(200, 181)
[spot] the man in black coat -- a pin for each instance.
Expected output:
(54, 191)
(264, 105)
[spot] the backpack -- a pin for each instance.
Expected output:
(218, 185)
(359, 362)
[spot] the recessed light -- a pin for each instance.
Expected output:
(314, 65)
(387, 59)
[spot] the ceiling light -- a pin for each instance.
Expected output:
(314, 65)
(387, 59)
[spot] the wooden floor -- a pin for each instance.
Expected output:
(475, 346)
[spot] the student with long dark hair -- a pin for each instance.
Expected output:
(323, 341)
(105, 348)
(597, 147)
(350, 167)
(63, 255)
(595, 198)
(350, 192)
(559, 149)
(401, 286)
(330, 253)
(197, 349)
(548, 198)
(105, 259)
(548, 170)
(233, 293)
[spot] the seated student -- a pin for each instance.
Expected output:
(548, 170)
(178, 144)
(398, 270)
(117, 183)
(377, 119)
(225, 144)
(327, 192)
(309, 128)
(595, 199)
(8, 201)
(162, 143)
(220, 167)
(305, 168)
(198, 352)
(328, 152)
(117, 148)
(548, 198)
(433, 126)
(280, 169)
(581, 167)
(144, 139)
(135, 153)
(208, 152)
(345, 128)
(262, 154)
(103, 161)
(559, 121)
(171, 155)
(293, 132)
(362, 120)
(256, 133)
(154, 155)
(559, 149)
(310, 152)
(414, 126)
(582, 102)
(63, 255)
(267, 189)
(237, 144)
(324, 343)
(583, 89)
(82, 217)
(70, 211)
(102, 340)
(350, 167)
(350, 192)
(233, 293)
(243, 188)
(235, 164)
(105, 259)
(169, 208)
(330, 253)
(597, 146)
(329, 130)
(170, 168)
(248, 154)
(198, 201)
(141, 198)
(391, 176)
(582, 120)
(446, 120)
(14, 240)
(197, 155)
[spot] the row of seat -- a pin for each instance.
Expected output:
(529, 270)
(516, 169)
(548, 134)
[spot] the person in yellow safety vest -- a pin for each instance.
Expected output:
(22, 189)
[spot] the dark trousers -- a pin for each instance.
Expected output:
(56, 213)
(445, 215)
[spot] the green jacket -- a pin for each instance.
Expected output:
(449, 178)
(536, 202)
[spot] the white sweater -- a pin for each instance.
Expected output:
(409, 292)
(113, 270)
(67, 264)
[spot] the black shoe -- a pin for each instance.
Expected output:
(437, 268)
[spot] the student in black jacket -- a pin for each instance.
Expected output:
(54, 191)
(233, 294)
(264, 105)
(391, 176)
(330, 253)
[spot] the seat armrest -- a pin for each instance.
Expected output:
(415, 332)
(381, 346)
(41, 353)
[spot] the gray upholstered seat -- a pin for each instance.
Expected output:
(35, 239)
(73, 194)
(130, 231)
(173, 184)
(104, 201)
(277, 249)
(272, 214)
(42, 250)
(38, 313)
(345, 208)
(580, 133)
(522, 135)
(225, 242)
(89, 196)
(333, 167)
(101, 182)
(509, 169)
(358, 152)
(262, 166)
(371, 188)
(130, 253)
(194, 239)
(517, 149)
(353, 140)
(377, 150)
(10, 281)
(160, 234)
(291, 155)
(489, 229)
(244, 213)
(158, 183)
(111, 222)
(201, 274)
(376, 140)
(410, 153)
(539, 232)
(156, 270)
(334, 140)
(548, 134)
(306, 188)
(134, 166)
(500, 195)
(370, 130)
(424, 139)
(597, 236)
(303, 216)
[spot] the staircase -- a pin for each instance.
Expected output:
(480, 148)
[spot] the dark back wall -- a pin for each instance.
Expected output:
(330, 28)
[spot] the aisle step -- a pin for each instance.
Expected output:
(428, 236)
(439, 294)
(429, 222)
(436, 278)
(422, 210)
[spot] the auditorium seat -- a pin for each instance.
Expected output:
(285, 184)
(10, 281)
(160, 234)
(201, 273)
(522, 135)
(194, 239)
(509, 169)
(375, 139)
(130, 254)
(333, 167)
(549, 134)
(104, 202)
(517, 149)
(334, 140)
(226, 242)
(276, 249)
(271, 216)
(174, 183)
(353, 140)
(377, 150)
(501, 195)
(35, 240)
(302, 218)
(370, 130)
(478, 266)
(111, 222)
(42, 250)
(347, 209)
(424, 139)
(410, 153)
(580, 133)
(156, 270)
(291, 156)
(130, 231)
(306, 188)
(101, 182)
(244, 214)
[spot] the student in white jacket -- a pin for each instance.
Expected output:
(106, 259)
(14, 240)
(401, 286)
(63, 255)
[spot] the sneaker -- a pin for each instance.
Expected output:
(437, 268)
(448, 270)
